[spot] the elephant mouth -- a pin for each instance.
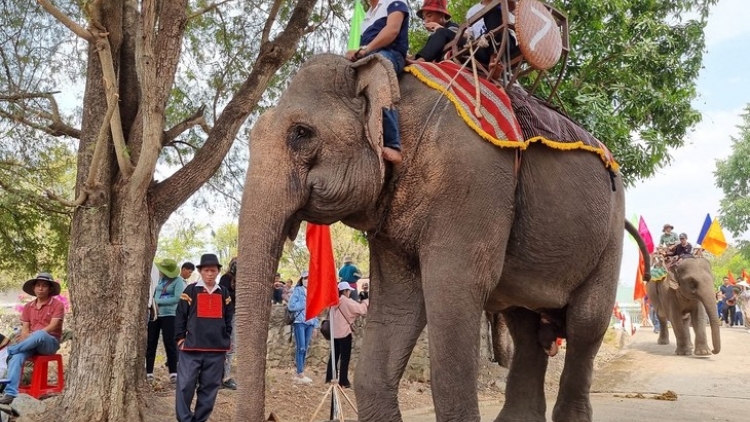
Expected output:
(292, 228)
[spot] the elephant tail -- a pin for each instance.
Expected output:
(642, 246)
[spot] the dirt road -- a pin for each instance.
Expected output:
(704, 388)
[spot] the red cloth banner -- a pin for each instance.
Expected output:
(640, 287)
(731, 278)
(322, 290)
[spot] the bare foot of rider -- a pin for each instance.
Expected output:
(392, 155)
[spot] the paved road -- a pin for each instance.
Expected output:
(704, 390)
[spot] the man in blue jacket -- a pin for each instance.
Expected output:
(203, 329)
(385, 31)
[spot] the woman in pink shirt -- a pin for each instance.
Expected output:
(342, 317)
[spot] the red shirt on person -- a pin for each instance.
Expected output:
(40, 318)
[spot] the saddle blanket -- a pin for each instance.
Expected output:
(497, 123)
(510, 119)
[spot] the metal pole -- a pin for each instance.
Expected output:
(334, 378)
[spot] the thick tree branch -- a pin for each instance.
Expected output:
(111, 88)
(158, 61)
(169, 194)
(65, 20)
(206, 9)
(178, 129)
(269, 22)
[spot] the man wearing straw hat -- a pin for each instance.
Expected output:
(41, 330)
(668, 237)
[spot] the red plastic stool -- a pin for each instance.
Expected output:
(39, 382)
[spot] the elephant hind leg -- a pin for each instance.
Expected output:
(395, 320)
(587, 319)
(524, 392)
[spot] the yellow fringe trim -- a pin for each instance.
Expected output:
(564, 146)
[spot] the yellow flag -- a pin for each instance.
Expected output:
(714, 241)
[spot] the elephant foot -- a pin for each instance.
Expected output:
(573, 411)
(683, 351)
(702, 351)
(662, 340)
(520, 416)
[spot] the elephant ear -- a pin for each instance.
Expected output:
(378, 83)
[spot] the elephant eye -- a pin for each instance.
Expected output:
(299, 133)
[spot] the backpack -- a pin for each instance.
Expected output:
(289, 317)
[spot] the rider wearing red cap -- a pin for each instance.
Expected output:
(437, 20)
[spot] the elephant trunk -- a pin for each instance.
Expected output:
(269, 203)
(707, 298)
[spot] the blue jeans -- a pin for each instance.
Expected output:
(654, 318)
(391, 134)
(302, 336)
(38, 343)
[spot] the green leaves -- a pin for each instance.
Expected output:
(631, 74)
(733, 178)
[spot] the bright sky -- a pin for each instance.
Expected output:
(724, 91)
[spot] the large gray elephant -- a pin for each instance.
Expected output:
(459, 228)
(681, 298)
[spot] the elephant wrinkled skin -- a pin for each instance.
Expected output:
(682, 297)
(453, 231)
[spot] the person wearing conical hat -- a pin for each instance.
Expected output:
(437, 21)
(41, 329)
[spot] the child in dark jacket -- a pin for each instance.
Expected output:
(203, 329)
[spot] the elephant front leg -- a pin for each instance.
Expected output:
(524, 392)
(395, 319)
(453, 301)
(700, 319)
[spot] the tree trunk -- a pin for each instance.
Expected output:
(113, 242)
(106, 284)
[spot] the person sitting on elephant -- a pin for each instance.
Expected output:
(385, 31)
(437, 21)
(668, 237)
(681, 249)
(491, 20)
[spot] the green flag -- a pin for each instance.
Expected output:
(355, 28)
